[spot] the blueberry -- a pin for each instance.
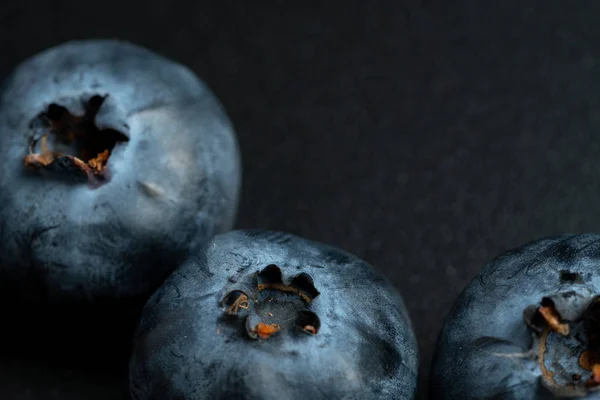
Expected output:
(267, 315)
(527, 327)
(112, 159)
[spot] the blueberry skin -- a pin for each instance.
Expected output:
(177, 178)
(186, 348)
(481, 349)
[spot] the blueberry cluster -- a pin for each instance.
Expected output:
(120, 185)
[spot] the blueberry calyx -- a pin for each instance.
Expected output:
(235, 301)
(567, 343)
(302, 284)
(72, 146)
(308, 322)
(281, 305)
(261, 330)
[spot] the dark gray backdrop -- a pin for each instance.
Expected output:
(424, 136)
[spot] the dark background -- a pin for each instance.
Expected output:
(424, 136)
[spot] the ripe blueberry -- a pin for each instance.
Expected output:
(527, 327)
(112, 159)
(266, 315)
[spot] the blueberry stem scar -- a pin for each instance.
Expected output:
(302, 284)
(553, 319)
(549, 375)
(264, 331)
(284, 288)
(310, 329)
(595, 379)
(240, 302)
(290, 311)
(78, 146)
(558, 340)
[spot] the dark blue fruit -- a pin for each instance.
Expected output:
(112, 159)
(265, 315)
(528, 327)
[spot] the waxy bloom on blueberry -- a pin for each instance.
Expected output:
(265, 315)
(114, 160)
(528, 327)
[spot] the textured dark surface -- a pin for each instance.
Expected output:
(424, 136)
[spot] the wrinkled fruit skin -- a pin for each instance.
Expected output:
(187, 348)
(177, 177)
(482, 349)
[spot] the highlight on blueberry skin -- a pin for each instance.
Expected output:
(267, 315)
(528, 327)
(113, 159)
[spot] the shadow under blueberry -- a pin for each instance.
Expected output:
(60, 347)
